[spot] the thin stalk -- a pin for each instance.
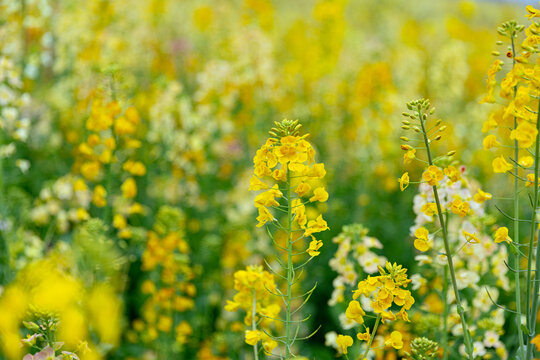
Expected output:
(516, 231)
(372, 336)
(290, 277)
(445, 314)
(466, 335)
(531, 312)
(254, 325)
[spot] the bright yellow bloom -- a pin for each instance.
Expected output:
(90, 170)
(319, 194)
(460, 207)
(364, 336)
(490, 142)
(99, 197)
(404, 181)
(355, 312)
(253, 337)
(267, 198)
(471, 238)
(302, 189)
(129, 188)
(422, 242)
(136, 168)
(482, 196)
(532, 12)
(492, 82)
(256, 184)
(526, 161)
(525, 134)
(264, 216)
(502, 235)
(317, 171)
(500, 165)
(530, 180)
(452, 173)
(432, 175)
(344, 342)
(536, 342)
(395, 340)
(119, 221)
(314, 246)
(409, 156)
(317, 225)
(429, 209)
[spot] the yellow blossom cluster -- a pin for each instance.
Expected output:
(381, 292)
(254, 288)
(290, 160)
(169, 285)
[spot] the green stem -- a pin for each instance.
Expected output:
(372, 336)
(466, 335)
(254, 325)
(531, 311)
(289, 270)
(445, 314)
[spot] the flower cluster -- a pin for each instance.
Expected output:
(254, 287)
(168, 285)
(290, 159)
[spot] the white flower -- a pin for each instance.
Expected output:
(491, 339)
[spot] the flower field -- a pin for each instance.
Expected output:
(256, 179)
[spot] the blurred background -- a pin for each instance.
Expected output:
(127, 146)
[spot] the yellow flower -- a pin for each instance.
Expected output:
(256, 184)
(492, 82)
(364, 336)
(119, 221)
(482, 196)
(303, 188)
(432, 175)
(530, 180)
(536, 342)
(429, 209)
(526, 161)
(395, 340)
(502, 235)
(532, 13)
(136, 168)
(500, 165)
(314, 245)
(452, 173)
(267, 198)
(355, 312)
(490, 142)
(253, 337)
(343, 342)
(316, 171)
(269, 345)
(99, 197)
(90, 170)
(319, 194)
(409, 156)
(471, 238)
(317, 225)
(129, 188)
(460, 207)
(264, 216)
(525, 134)
(422, 242)
(404, 181)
